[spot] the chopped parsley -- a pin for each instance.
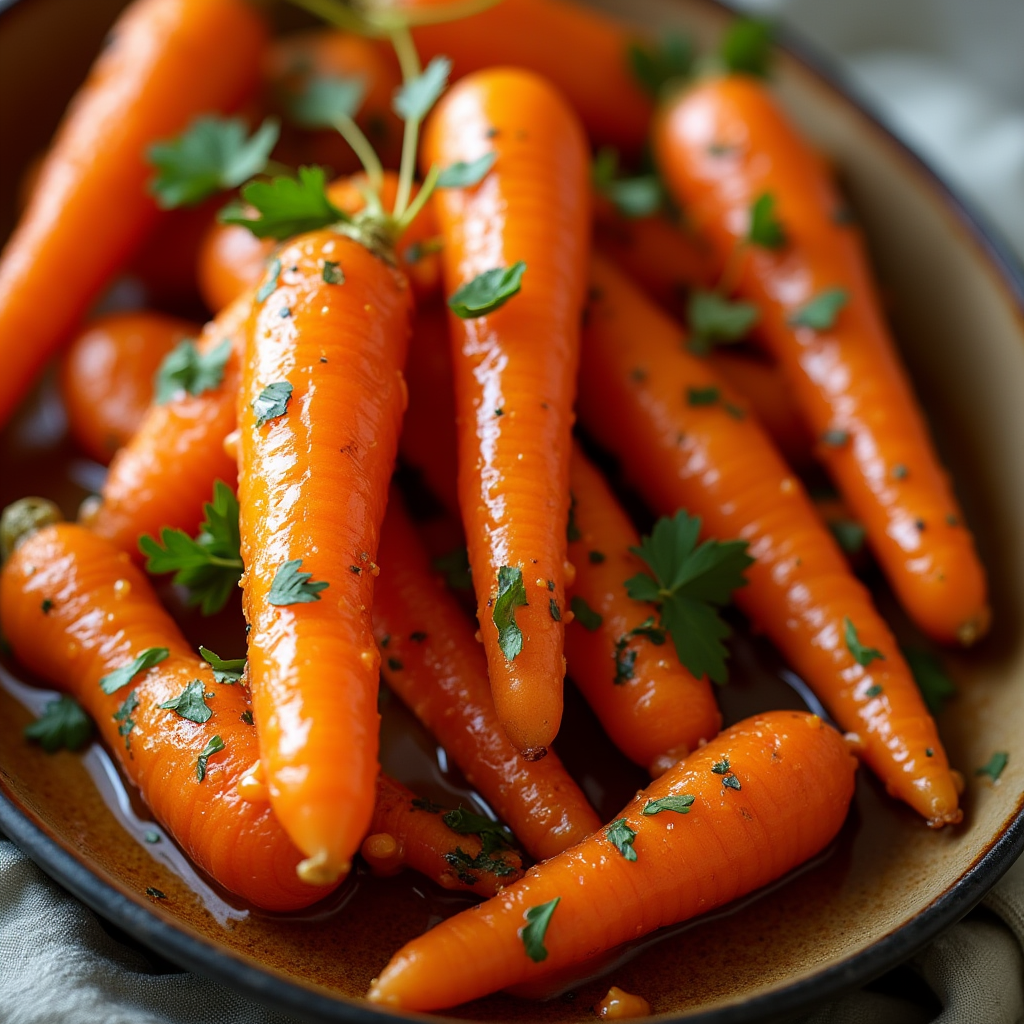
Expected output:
(187, 370)
(861, 654)
(657, 64)
(292, 586)
(746, 47)
(996, 764)
(465, 865)
(821, 312)
(835, 438)
(765, 229)
(584, 614)
(246, 716)
(466, 174)
(679, 804)
(596, 557)
(47, 606)
(123, 715)
(849, 534)
(511, 595)
(215, 746)
(533, 932)
(225, 670)
(899, 472)
(324, 100)
(415, 97)
(63, 725)
(875, 690)
(714, 320)
(492, 835)
(270, 284)
(621, 836)
(487, 291)
(625, 660)
(640, 196)
(935, 685)
(455, 566)
(724, 769)
(332, 273)
(113, 681)
(190, 704)
(556, 612)
(272, 402)
(703, 396)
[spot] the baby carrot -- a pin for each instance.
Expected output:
(762, 798)
(431, 660)
(106, 376)
(525, 225)
(231, 262)
(686, 443)
(409, 831)
(81, 616)
(654, 710)
(770, 209)
(319, 413)
(166, 62)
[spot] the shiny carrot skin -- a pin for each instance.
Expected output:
(167, 470)
(232, 260)
(515, 368)
(106, 376)
(432, 661)
(584, 54)
(791, 784)
(75, 609)
(166, 62)
(654, 710)
(406, 831)
(636, 383)
(313, 485)
(847, 378)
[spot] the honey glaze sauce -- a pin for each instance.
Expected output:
(81, 800)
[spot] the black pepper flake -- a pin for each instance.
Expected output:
(355, 569)
(418, 637)
(899, 472)
(47, 606)
(499, 412)
(551, 584)
(155, 893)
(556, 613)
(395, 665)
(928, 752)
(920, 524)
(323, 359)
(246, 717)
(873, 691)
(596, 557)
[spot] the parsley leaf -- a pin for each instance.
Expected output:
(464, 865)
(641, 196)
(124, 715)
(413, 99)
(511, 595)
(621, 836)
(714, 320)
(997, 762)
(423, 804)
(722, 767)
(654, 66)
(533, 932)
(225, 670)
(821, 312)
(291, 586)
(210, 566)
(190, 703)
(703, 396)
(113, 681)
(492, 835)
(861, 654)
(679, 804)
(270, 284)
(849, 534)
(746, 47)
(332, 272)
(455, 566)
(62, 725)
(689, 585)
(186, 368)
(286, 206)
(487, 291)
(765, 229)
(936, 687)
(272, 401)
(466, 174)
(323, 99)
(213, 154)
(585, 615)
(215, 746)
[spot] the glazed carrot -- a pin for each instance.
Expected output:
(685, 442)
(821, 319)
(106, 376)
(431, 660)
(515, 369)
(648, 703)
(166, 62)
(409, 831)
(584, 54)
(231, 262)
(319, 412)
(167, 470)
(762, 798)
(76, 611)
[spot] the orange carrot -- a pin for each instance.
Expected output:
(762, 798)
(648, 703)
(409, 831)
(686, 442)
(515, 370)
(231, 262)
(106, 376)
(319, 412)
(432, 661)
(77, 613)
(725, 146)
(166, 62)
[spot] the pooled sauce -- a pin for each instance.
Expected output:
(338, 945)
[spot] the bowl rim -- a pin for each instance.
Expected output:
(158, 931)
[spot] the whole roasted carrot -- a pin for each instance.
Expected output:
(166, 62)
(408, 831)
(769, 207)
(654, 710)
(762, 798)
(106, 376)
(517, 240)
(81, 616)
(431, 660)
(687, 443)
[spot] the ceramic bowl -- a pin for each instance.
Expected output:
(881, 891)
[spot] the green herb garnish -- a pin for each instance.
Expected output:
(714, 320)
(765, 229)
(324, 100)
(213, 747)
(292, 586)
(538, 918)
(861, 654)
(190, 704)
(225, 670)
(272, 402)
(997, 762)
(746, 47)
(466, 174)
(511, 595)
(849, 534)
(186, 369)
(487, 291)
(63, 725)
(821, 312)
(640, 196)
(679, 804)
(455, 566)
(584, 614)
(703, 396)
(124, 715)
(669, 59)
(621, 836)
(935, 685)
(113, 681)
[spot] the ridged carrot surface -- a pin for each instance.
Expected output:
(767, 794)
(432, 661)
(581, 52)
(75, 610)
(313, 469)
(515, 368)
(167, 470)
(685, 442)
(648, 703)
(166, 62)
(409, 832)
(721, 146)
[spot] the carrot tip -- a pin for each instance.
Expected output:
(321, 870)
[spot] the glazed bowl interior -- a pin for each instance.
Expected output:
(881, 890)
